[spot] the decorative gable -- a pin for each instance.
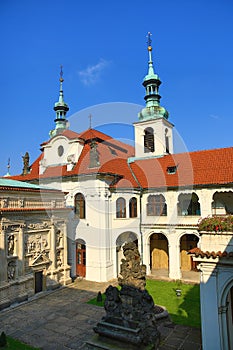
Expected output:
(61, 150)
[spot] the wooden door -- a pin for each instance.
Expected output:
(38, 281)
(81, 260)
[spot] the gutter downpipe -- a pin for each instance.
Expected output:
(140, 208)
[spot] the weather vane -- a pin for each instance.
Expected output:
(149, 41)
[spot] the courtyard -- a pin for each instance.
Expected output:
(62, 320)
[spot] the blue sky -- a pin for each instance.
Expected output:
(102, 47)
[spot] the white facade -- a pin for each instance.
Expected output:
(163, 138)
(216, 288)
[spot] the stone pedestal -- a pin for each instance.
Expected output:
(103, 343)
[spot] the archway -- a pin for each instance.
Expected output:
(226, 317)
(80, 258)
(230, 318)
(159, 256)
(123, 238)
(187, 242)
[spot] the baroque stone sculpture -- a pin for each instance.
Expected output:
(130, 312)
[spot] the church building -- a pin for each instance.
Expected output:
(120, 193)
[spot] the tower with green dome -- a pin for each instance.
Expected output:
(153, 131)
(61, 108)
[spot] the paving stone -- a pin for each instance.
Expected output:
(190, 346)
(61, 320)
(174, 341)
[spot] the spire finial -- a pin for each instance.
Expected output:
(8, 167)
(61, 97)
(61, 74)
(149, 47)
(149, 40)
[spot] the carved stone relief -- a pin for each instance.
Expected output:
(38, 225)
(4, 202)
(10, 245)
(11, 267)
(35, 244)
(59, 258)
(58, 238)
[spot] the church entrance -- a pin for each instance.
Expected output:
(159, 259)
(80, 258)
(38, 281)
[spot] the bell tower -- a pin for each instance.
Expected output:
(153, 131)
(61, 108)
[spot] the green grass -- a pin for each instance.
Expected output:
(13, 344)
(184, 310)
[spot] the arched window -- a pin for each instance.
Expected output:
(156, 205)
(120, 208)
(167, 141)
(188, 204)
(222, 203)
(79, 206)
(133, 207)
(149, 143)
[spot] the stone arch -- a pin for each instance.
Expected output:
(188, 241)
(222, 203)
(226, 316)
(159, 255)
(124, 237)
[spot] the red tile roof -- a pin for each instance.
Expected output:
(197, 252)
(200, 168)
(212, 167)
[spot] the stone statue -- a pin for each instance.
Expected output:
(11, 271)
(130, 312)
(132, 273)
(94, 155)
(26, 167)
(11, 245)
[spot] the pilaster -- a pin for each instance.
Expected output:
(3, 256)
(20, 252)
(53, 247)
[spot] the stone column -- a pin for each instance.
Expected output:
(3, 256)
(65, 247)
(174, 259)
(52, 253)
